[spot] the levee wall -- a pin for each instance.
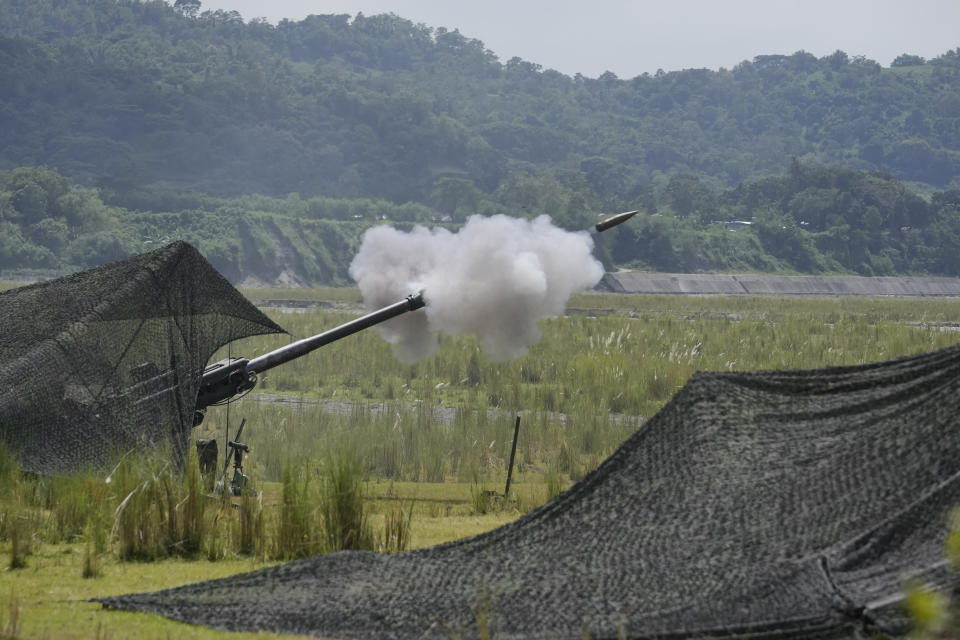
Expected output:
(760, 284)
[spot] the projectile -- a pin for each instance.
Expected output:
(613, 221)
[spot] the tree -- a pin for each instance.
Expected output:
(189, 8)
(35, 192)
(783, 238)
(51, 233)
(812, 207)
(907, 60)
(605, 176)
(690, 197)
(946, 231)
(458, 197)
(837, 60)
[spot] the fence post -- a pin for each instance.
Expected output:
(513, 453)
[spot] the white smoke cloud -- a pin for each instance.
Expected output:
(496, 278)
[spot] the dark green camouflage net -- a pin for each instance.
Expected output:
(773, 504)
(108, 361)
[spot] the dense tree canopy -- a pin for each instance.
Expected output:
(123, 92)
(812, 219)
(152, 116)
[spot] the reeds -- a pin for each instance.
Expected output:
(95, 544)
(589, 383)
(249, 526)
(150, 510)
(323, 510)
(344, 515)
(587, 386)
(21, 535)
(397, 524)
(158, 509)
(10, 627)
(482, 500)
(296, 528)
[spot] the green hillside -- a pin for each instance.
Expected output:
(150, 111)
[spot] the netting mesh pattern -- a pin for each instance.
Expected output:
(766, 504)
(107, 361)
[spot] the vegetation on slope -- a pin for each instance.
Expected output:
(813, 219)
(129, 94)
(272, 147)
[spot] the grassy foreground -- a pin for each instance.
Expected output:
(48, 597)
(433, 437)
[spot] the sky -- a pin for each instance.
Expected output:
(633, 37)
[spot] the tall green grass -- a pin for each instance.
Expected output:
(249, 527)
(397, 523)
(344, 515)
(10, 627)
(161, 511)
(358, 413)
(588, 384)
(296, 531)
(148, 509)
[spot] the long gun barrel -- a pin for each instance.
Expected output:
(227, 378)
(305, 346)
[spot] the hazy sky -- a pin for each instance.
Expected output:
(630, 38)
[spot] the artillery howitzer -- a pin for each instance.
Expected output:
(224, 380)
(114, 359)
(230, 377)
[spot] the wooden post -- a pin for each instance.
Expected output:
(513, 453)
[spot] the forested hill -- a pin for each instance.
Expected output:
(178, 114)
(138, 93)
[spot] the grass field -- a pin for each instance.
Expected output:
(48, 598)
(589, 383)
(433, 438)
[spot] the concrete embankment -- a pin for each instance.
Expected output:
(761, 284)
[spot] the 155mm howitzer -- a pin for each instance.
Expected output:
(231, 377)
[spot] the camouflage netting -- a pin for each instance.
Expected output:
(106, 361)
(766, 504)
